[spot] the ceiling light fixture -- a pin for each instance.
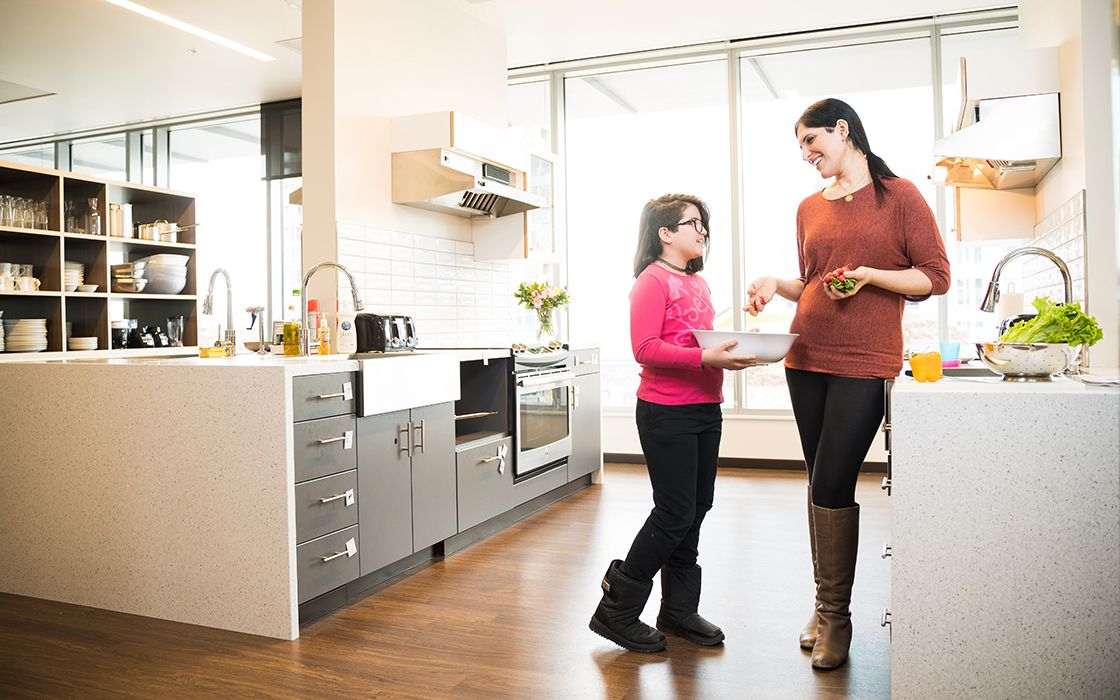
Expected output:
(190, 28)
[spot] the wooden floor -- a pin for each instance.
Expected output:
(504, 618)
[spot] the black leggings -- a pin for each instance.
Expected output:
(837, 419)
(681, 446)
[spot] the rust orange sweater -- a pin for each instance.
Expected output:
(861, 336)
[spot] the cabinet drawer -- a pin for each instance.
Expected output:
(322, 395)
(542, 483)
(325, 505)
(318, 449)
(324, 563)
(484, 491)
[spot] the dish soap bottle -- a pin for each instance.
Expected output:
(324, 335)
(346, 337)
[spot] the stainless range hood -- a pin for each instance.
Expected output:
(451, 181)
(1000, 143)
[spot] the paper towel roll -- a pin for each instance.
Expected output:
(1009, 304)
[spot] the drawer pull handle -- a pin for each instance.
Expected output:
(886, 551)
(347, 393)
(347, 440)
(886, 619)
(500, 457)
(886, 485)
(348, 494)
(350, 550)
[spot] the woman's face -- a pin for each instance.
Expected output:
(822, 149)
(686, 239)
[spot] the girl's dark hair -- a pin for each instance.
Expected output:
(826, 113)
(666, 211)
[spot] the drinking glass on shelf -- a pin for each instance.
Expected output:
(175, 331)
(93, 218)
(28, 213)
(71, 219)
(42, 221)
(5, 210)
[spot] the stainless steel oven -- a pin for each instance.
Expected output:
(543, 417)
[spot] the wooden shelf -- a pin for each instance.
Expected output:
(91, 313)
(143, 296)
(141, 243)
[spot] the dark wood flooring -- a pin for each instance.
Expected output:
(504, 618)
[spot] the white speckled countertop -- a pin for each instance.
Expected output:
(996, 385)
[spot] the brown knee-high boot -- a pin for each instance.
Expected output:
(837, 536)
(809, 634)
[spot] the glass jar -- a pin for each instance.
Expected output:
(93, 218)
(291, 338)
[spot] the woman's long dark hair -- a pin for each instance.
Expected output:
(825, 113)
(666, 211)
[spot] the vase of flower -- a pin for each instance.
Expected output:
(542, 299)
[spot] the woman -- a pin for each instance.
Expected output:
(679, 423)
(877, 226)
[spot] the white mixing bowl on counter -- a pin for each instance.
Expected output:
(1027, 362)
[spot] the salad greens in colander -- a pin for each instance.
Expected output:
(1055, 323)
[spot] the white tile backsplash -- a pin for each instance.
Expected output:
(1062, 232)
(456, 300)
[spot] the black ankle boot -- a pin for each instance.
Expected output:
(680, 598)
(616, 618)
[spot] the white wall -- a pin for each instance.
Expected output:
(1085, 34)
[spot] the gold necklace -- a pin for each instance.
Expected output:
(850, 193)
(671, 266)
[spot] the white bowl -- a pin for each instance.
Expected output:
(766, 347)
(165, 286)
(164, 259)
(87, 288)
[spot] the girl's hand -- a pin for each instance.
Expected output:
(861, 276)
(720, 356)
(759, 294)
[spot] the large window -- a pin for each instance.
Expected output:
(100, 157)
(896, 108)
(634, 135)
(41, 156)
(220, 163)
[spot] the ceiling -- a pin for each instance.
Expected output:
(101, 65)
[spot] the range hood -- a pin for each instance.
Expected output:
(1000, 143)
(454, 182)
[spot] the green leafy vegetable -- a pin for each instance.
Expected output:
(1055, 323)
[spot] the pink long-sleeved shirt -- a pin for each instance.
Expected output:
(664, 309)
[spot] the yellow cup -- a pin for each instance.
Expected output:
(926, 366)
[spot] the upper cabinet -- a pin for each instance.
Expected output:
(78, 273)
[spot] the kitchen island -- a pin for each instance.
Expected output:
(188, 489)
(1005, 544)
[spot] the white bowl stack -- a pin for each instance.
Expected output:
(83, 343)
(73, 275)
(166, 273)
(25, 334)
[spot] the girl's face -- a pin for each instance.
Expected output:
(823, 149)
(689, 237)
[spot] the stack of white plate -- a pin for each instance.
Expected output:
(25, 334)
(83, 343)
(166, 273)
(74, 275)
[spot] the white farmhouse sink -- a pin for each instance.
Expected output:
(391, 382)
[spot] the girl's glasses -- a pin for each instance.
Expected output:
(696, 224)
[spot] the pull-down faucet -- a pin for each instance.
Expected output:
(992, 296)
(305, 342)
(229, 339)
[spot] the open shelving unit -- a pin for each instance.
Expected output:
(92, 313)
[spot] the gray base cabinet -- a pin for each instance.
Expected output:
(587, 424)
(406, 482)
(485, 481)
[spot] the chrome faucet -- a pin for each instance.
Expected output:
(992, 296)
(305, 341)
(229, 338)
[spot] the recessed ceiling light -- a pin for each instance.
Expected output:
(192, 52)
(191, 29)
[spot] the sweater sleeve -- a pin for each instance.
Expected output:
(648, 301)
(923, 243)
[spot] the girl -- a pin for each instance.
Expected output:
(679, 422)
(850, 341)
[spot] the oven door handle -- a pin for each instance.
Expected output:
(556, 379)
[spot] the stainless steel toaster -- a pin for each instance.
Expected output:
(385, 332)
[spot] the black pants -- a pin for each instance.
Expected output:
(837, 419)
(681, 446)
